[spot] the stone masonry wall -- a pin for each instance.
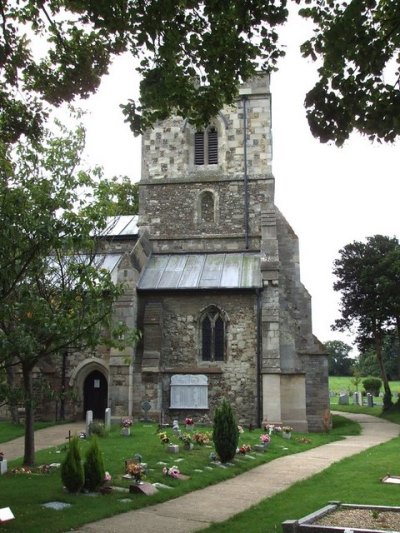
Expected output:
(173, 215)
(234, 378)
(168, 147)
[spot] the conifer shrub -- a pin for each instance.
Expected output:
(225, 432)
(72, 474)
(94, 466)
(372, 385)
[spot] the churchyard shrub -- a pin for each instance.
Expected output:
(372, 385)
(94, 466)
(97, 428)
(225, 432)
(72, 473)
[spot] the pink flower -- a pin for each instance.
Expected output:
(265, 439)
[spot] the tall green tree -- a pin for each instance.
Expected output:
(340, 362)
(54, 293)
(363, 278)
(357, 45)
(174, 42)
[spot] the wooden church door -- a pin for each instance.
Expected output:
(95, 392)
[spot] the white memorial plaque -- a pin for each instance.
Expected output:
(189, 391)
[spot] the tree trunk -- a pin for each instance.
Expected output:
(397, 334)
(12, 404)
(387, 399)
(29, 452)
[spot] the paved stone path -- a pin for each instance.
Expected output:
(217, 503)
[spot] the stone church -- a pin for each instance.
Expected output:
(211, 270)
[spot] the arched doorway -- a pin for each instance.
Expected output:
(95, 393)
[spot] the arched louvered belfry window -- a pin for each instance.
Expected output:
(213, 328)
(206, 147)
(212, 141)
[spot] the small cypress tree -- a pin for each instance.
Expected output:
(225, 432)
(71, 469)
(94, 466)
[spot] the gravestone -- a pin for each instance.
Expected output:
(146, 406)
(370, 400)
(89, 420)
(147, 489)
(3, 466)
(107, 419)
(343, 399)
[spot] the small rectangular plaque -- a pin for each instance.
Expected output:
(6, 514)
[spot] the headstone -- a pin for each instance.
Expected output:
(175, 425)
(89, 420)
(173, 448)
(370, 400)
(3, 466)
(107, 419)
(146, 406)
(343, 399)
(143, 488)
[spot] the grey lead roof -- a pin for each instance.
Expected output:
(121, 225)
(201, 271)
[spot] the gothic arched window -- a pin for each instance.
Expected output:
(212, 326)
(206, 147)
(207, 207)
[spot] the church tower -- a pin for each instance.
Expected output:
(221, 305)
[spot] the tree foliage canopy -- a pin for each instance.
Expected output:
(368, 277)
(358, 45)
(340, 363)
(54, 293)
(175, 41)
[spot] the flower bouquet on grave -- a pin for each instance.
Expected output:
(244, 448)
(1, 456)
(202, 438)
(173, 472)
(186, 438)
(265, 439)
(189, 423)
(287, 432)
(126, 422)
(164, 439)
(106, 487)
(135, 470)
(126, 426)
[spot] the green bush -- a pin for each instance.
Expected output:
(94, 466)
(97, 428)
(372, 385)
(72, 474)
(225, 432)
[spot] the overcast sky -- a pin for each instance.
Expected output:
(330, 196)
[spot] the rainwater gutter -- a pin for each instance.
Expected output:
(246, 178)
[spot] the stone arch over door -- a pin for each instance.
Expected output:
(95, 394)
(90, 381)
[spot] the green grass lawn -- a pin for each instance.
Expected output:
(340, 384)
(25, 493)
(356, 479)
(11, 431)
